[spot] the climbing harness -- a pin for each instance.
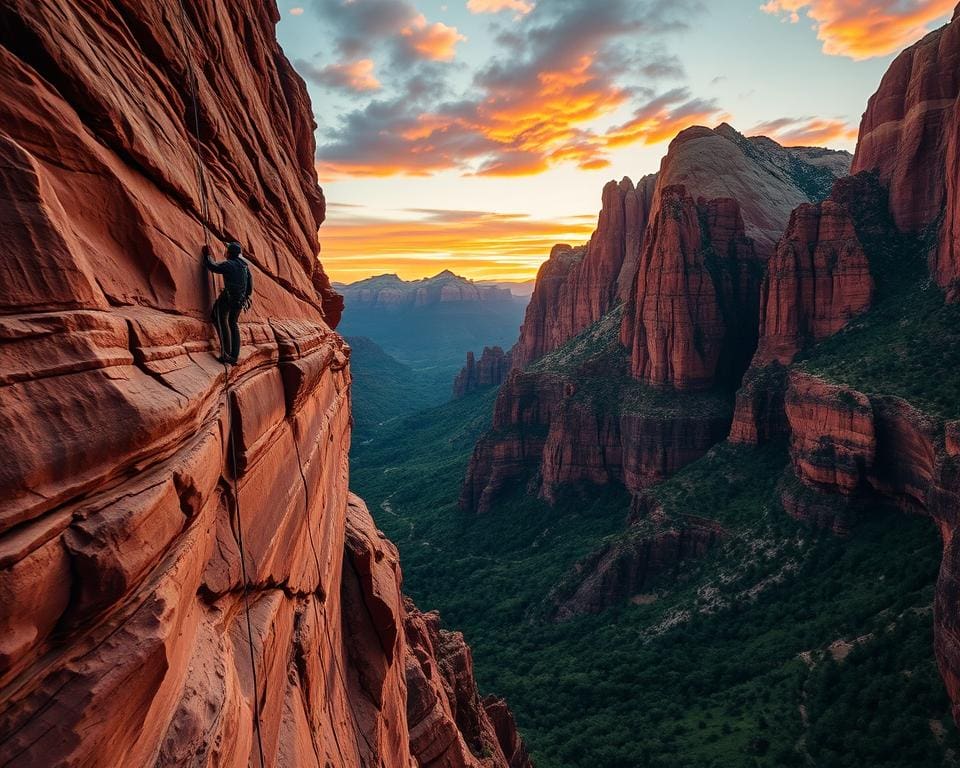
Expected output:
(227, 394)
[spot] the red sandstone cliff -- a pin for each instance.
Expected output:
(847, 448)
(690, 286)
(817, 280)
(577, 286)
(124, 595)
(691, 321)
(489, 371)
(910, 134)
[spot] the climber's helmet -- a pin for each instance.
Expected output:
(234, 250)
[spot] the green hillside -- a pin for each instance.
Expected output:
(728, 661)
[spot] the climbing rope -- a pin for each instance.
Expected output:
(226, 392)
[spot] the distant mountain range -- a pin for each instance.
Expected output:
(391, 292)
(416, 333)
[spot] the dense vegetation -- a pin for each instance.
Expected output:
(384, 388)
(736, 662)
(908, 344)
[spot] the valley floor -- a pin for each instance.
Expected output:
(783, 646)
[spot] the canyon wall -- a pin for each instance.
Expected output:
(184, 575)
(489, 371)
(910, 135)
(850, 451)
(577, 286)
(673, 272)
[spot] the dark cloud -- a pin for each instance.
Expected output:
(558, 69)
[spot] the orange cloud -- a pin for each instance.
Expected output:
(495, 6)
(296, 11)
(476, 244)
(806, 131)
(861, 29)
(436, 42)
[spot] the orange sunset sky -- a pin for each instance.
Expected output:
(473, 135)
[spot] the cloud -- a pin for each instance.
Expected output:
(561, 71)
(355, 77)
(664, 117)
(806, 131)
(435, 42)
(296, 11)
(861, 29)
(495, 6)
(412, 242)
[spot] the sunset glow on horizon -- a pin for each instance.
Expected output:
(473, 135)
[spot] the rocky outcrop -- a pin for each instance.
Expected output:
(389, 292)
(818, 279)
(184, 576)
(489, 371)
(450, 726)
(577, 419)
(687, 286)
(768, 181)
(577, 286)
(860, 450)
(691, 323)
(627, 565)
(910, 135)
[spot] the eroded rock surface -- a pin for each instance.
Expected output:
(153, 501)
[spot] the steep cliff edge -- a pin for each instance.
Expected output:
(682, 295)
(166, 524)
(910, 135)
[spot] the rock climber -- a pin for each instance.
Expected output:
(235, 297)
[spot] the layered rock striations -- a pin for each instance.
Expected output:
(489, 371)
(154, 501)
(910, 135)
(684, 292)
(575, 287)
(691, 322)
(817, 281)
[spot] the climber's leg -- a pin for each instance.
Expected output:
(218, 316)
(233, 324)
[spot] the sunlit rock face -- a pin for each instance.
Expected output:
(153, 502)
(910, 134)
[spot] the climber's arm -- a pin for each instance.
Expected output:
(209, 263)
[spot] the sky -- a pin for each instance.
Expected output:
(473, 135)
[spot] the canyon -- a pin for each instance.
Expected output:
(738, 298)
(185, 577)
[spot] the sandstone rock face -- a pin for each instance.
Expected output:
(578, 286)
(624, 568)
(450, 726)
(153, 501)
(847, 445)
(768, 181)
(910, 134)
(390, 292)
(489, 371)
(691, 323)
(686, 264)
(817, 280)
(547, 426)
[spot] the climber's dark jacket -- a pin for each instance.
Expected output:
(237, 277)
